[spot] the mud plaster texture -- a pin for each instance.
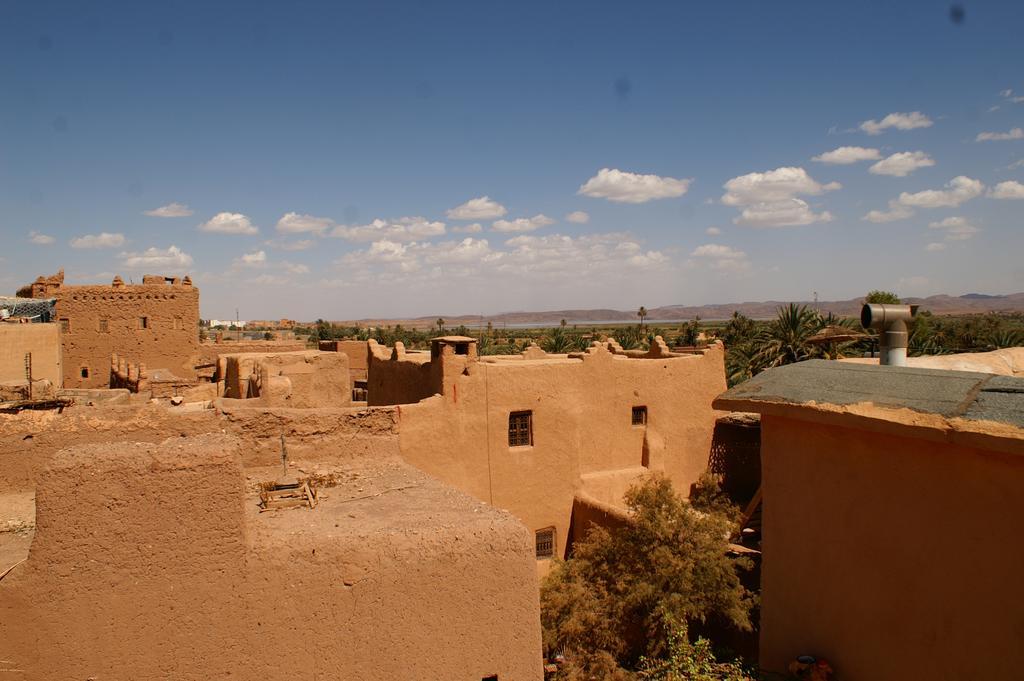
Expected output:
(305, 379)
(888, 519)
(584, 441)
(29, 440)
(151, 561)
(42, 341)
(104, 320)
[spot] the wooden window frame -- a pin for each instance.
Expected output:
(518, 436)
(545, 543)
(638, 415)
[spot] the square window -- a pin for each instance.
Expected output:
(104, 326)
(178, 325)
(143, 322)
(639, 416)
(520, 429)
(65, 325)
(85, 372)
(546, 542)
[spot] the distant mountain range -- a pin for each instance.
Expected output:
(971, 303)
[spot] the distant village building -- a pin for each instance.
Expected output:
(555, 439)
(153, 324)
(889, 523)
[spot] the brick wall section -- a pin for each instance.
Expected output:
(104, 320)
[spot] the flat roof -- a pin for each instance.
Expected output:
(949, 394)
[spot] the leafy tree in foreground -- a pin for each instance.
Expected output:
(616, 604)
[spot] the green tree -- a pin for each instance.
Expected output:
(558, 342)
(440, 324)
(882, 298)
(689, 333)
(740, 329)
(785, 341)
(687, 661)
(642, 314)
(617, 601)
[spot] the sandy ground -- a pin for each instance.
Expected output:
(17, 527)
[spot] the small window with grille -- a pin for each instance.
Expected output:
(520, 429)
(143, 322)
(546, 542)
(104, 326)
(178, 324)
(65, 325)
(639, 416)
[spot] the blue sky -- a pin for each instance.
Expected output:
(315, 155)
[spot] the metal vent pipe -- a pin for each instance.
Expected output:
(890, 321)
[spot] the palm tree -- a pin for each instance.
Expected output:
(440, 325)
(642, 314)
(558, 342)
(785, 340)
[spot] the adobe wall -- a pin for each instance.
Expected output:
(306, 379)
(153, 562)
(583, 438)
(169, 341)
(892, 557)
(357, 352)
(42, 340)
(29, 440)
(397, 377)
(209, 351)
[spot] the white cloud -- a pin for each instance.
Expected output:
(1019, 163)
(721, 257)
(712, 231)
(900, 121)
(1013, 134)
(1011, 189)
(40, 239)
(774, 185)
(557, 255)
(895, 212)
(402, 229)
(157, 258)
(295, 268)
(171, 210)
(935, 246)
(480, 208)
(902, 163)
(268, 280)
(769, 199)
(1008, 94)
(294, 223)
(847, 155)
(955, 228)
(788, 213)
(958, 190)
(229, 223)
(551, 256)
(101, 240)
(286, 245)
(473, 228)
(624, 187)
(253, 259)
(522, 224)
(578, 217)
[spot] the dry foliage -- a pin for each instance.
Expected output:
(614, 606)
